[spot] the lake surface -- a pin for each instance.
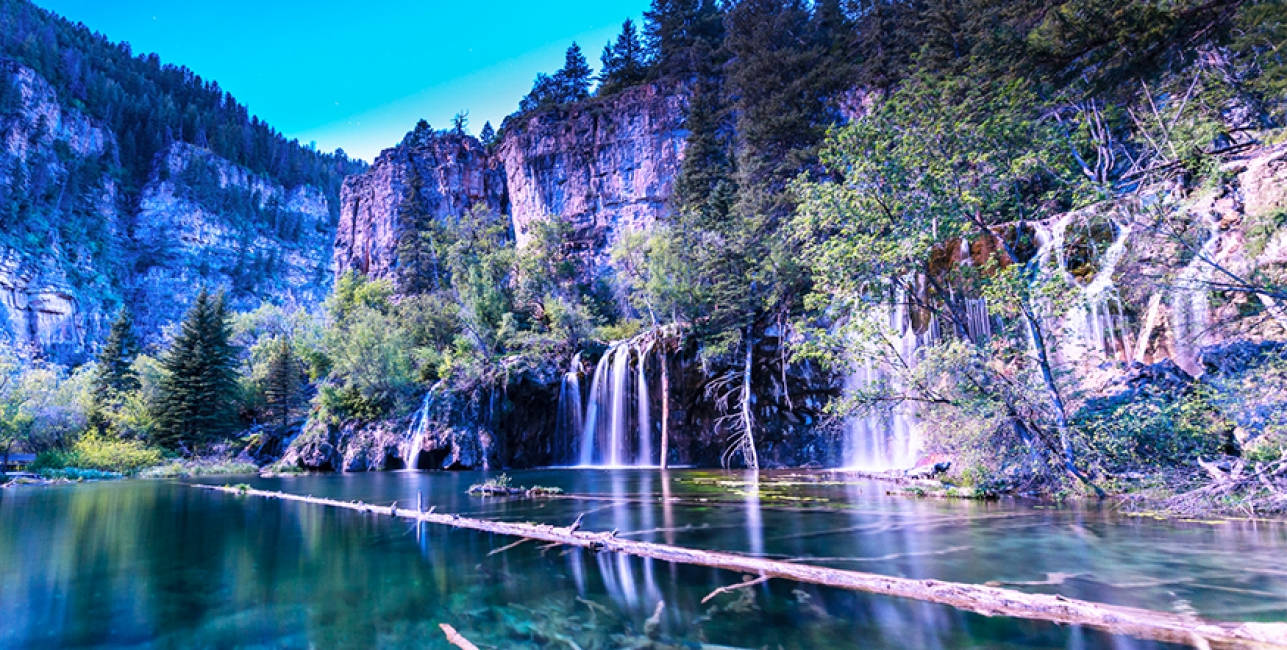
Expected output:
(142, 564)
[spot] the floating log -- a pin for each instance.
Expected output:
(980, 599)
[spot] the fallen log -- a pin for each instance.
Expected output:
(981, 599)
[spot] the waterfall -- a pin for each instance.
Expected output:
(416, 432)
(1190, 305)
(620, 405)
(1099, 321)
(617, 428)
(600, 393)
(887, 438)
(569, 423)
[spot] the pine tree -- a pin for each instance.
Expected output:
(115, 374)
(682, 34)
(459, 121)
(487, 135)
(623, 61)
(573, 81)
(282, 383)
(198, 394)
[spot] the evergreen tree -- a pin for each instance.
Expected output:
(198, 393)
(459, 121)
(682, 34)
(487, 135)
(573, 81)
(115, 374)
(418, 268)
(623, 61)
(282, 383)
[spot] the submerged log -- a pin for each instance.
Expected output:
(980, 599)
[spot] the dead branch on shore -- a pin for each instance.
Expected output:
(981, 599)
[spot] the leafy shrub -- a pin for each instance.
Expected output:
(1153, 430)
(94, 451)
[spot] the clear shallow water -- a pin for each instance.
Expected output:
(158, 564)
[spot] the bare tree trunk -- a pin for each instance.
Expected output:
(665, 402)
(748, 449)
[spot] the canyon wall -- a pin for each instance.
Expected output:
(74, 246)
(603, 165)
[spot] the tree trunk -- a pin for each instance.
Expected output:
(748, 449)
(665, 402)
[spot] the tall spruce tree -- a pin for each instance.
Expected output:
(115, 374)
(623, 61)
(282, 383)
(573, 81)
(681, 35)
(487, 135)
(198, 393)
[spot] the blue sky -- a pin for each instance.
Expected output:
(358, 75)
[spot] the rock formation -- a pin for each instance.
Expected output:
(603, 165)
(455, 174)
(197, 220)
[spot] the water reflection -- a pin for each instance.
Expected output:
(158, 564)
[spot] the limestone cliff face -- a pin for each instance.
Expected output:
(203, 221)
(43, 145)
(453, 173)
(73, 249)
(604, 165)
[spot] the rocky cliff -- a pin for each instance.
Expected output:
(446, 174)
(603, 165)
(74, 246)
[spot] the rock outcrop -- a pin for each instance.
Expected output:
(604, 165)
(74, 247)
(203, 221)
(450, 173)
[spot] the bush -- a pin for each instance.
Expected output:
(96, 452)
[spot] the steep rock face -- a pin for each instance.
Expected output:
(603, 165)
(73, 248)
(52, 156)
(203, 221)
(454, 174)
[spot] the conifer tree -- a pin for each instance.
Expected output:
(197, 402)
(681, 34)
(282, 383)
(623, 61)
(573, 81)
(487, 135)
(115, 374)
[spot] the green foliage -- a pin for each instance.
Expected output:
(569, 84)
(97, 452)
(115, 373)
(1153, 430)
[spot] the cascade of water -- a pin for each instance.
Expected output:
(1098, 321)
(416, 432)
(1190, 304)
(620, 405)
(618, 420)
(569, 424)
(881, 438)
(599, 389)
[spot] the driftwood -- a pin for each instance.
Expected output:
(981, 599)
(455, 638)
